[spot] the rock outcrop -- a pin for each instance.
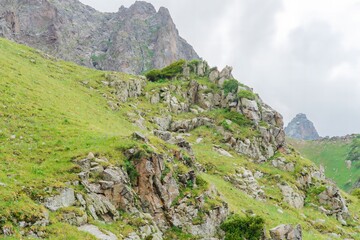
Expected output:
(132, 40)
(334, 203)
(301, 128)
(197, 98)
(245, 180)
(286, 232)
(146, 189)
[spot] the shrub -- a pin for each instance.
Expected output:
(250, 228)
(246, 94)
(173, 70)
(230, 86)
(153, 75)
(131, 171)
(238, 118)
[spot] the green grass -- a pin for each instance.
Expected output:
(54, 118)
(332, 155)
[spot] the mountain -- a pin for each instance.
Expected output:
(338, 155)
(132, 40)
(301, 128)
(88, 154)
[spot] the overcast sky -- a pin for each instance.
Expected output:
(299, 55)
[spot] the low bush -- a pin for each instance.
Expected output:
(247, 94)
(249, 228)
(238, 118)
(173, 70)
(230, 86)
(131, 171)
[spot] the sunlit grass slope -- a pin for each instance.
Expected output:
(48, 117)
(332, 155)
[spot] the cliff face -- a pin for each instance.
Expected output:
(301, 128)
(133, 40)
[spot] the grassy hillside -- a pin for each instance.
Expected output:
(332, 154)
(47, 118)
(52, 112)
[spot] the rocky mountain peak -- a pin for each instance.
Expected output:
(142, 9)
(133, 40)
(301, 128)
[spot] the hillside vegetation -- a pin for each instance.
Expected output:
(184, 162)
(333, 155)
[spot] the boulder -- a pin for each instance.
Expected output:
(332, 200)
(286, 232)
(66, 198)
(214, 75)
(284, 165)
(244, 180)
(164, 135)
(292, 197)
(115, 174)
(163, 122)
(222, 151)
(97, 233)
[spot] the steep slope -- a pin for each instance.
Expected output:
(86, 153)
(338, 155)
(301, 128)
(133, 40)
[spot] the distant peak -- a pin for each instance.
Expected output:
(301, 128)
(301, 115)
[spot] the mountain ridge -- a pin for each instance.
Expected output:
(132, 40)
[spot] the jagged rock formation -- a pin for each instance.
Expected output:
(133, 40)
(149, 195)
(301, 128)
(197, 98)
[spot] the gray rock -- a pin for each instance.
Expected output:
(74, 219)
(164, 135)
(282, 164)
(66, 198)
(292, 197)
(132, 40)
(163, 122)
(140, 136)
(222, 152)
(96, 232)
(100, 206)
(114, 174)
(286, 232)
(333, 201)
(244, 180)
(214, 75)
